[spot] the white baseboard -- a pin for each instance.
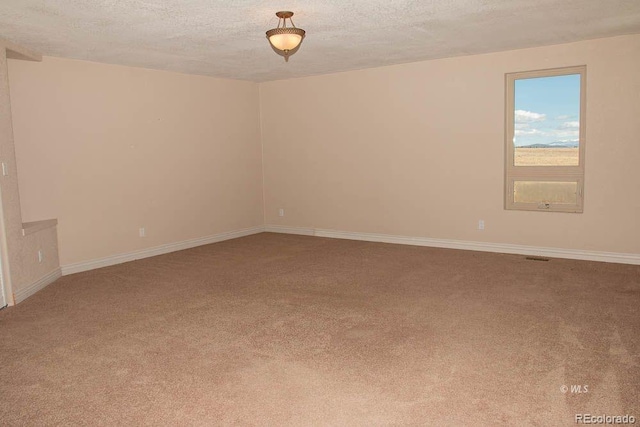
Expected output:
(157, 250)
(614, 257)
(39, 284)
(290, 230)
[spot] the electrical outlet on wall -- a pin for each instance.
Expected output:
(280, 212)
(142, 232)
(40, 255)
(481, 224)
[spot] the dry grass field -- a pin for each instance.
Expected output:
(546, 156)
(552, 192)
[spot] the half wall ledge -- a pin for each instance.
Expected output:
(35, 226)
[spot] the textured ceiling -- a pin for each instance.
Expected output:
(226, 38)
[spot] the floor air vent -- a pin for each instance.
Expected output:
(537, 258)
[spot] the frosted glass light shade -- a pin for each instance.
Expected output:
(285, 41)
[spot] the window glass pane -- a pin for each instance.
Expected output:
(547, 121)
(553, 192)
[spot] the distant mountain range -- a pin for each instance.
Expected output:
(556, 144)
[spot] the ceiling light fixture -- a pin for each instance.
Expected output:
(285, 40)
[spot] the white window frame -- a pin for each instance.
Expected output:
(543, 173)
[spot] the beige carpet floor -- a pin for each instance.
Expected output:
(292, 330)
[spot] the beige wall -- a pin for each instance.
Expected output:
(10, 218)
(414, 150)
(108, 149)
(21, 266)
(418, 150)
(29, 266)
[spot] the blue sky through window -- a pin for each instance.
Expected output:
(547, 111)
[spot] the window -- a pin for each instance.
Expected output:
(545, 140)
